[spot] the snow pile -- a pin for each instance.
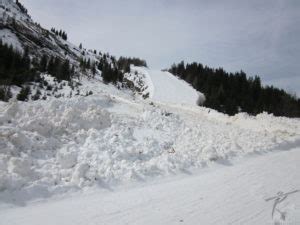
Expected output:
(51, 146)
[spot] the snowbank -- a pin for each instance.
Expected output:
(52, 146)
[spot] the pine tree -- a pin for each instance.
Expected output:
(51, 66)
(43, 63)
(65, 73)
(57, 68)
(94, 69)
(23, 95)
(5, 92)
(88, 64)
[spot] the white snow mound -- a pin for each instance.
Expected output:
(51, 146)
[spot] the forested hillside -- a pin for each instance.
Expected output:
(235, 92)
(29, 51)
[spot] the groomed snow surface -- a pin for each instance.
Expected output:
(60, 147)
(164, 87)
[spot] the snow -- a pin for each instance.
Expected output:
(238, 193)
(10, 38)
(9, 8)
(107, 141)
(164, 87)
(111, 157)
(110, 138)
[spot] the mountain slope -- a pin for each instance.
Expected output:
(163, 87)
(88, 134)
(47, 53)
(167, 88)
(31, 35)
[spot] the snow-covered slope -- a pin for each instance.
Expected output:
(8, 37)
(20, 31)
(8, 8)
(168, 88)
(164, 87)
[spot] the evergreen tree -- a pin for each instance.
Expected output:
(65, 73)
(23, 95)
(94, 69)
(88, 64)
(44, 63)
(51, 66)
(5, 93)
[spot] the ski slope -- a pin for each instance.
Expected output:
(238, 193)
(168, 88)
(164, 87)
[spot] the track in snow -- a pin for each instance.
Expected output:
(230, 194)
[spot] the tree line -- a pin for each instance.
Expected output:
(60, 33)
(22, 7)
(112, 69)
(18, 68)
(125, 62)
(110, 72)
(59, 68)
(231, 93)
(15, 69)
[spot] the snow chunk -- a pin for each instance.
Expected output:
(67, 158)
(20, 166)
